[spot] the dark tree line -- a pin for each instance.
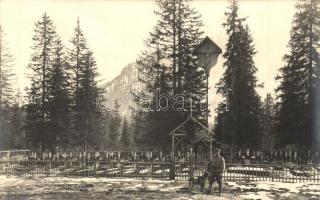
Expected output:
(62, 100)
(61, 107)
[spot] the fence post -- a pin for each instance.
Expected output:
(172, 168)
(95, 168)
(272, 173)
(151, 170)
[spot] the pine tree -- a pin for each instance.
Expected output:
(298, 93)
(223, 124)
(6, 73)
(89, 92)
(138, 124)
(114, 126)
(106, 118)
(268, 124)
(76, 61)
(238, 83)
(6, 90)
(38, 94)
(33, 121)
(47, 109)
(59, 102)
(169, 67)
(86, 118)
(16, 139)
(125, 137)
(76, 57)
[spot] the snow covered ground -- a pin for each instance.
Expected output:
(107, 188)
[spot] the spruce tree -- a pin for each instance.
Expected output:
(6, 73)
(238, 84)
(6, 90)
(16, 138)
(88, 93)
(168, 67)
(76, 57)
(106, 118)
(47, 109)
(125, 137)
(268, 124)
(87, 126)
(76, 61)
(59, 100)
(38, 116)
(138, 124)
(115, 125)
(298, 93)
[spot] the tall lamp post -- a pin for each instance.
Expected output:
(207, 52)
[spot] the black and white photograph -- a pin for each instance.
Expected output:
(160, 99)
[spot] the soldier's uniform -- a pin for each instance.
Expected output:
(192, 165)
(216, 168)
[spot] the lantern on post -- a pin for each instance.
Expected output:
(207, 52)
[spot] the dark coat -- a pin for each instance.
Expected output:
(216, 166)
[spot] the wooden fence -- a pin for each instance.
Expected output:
(253, 157)
(160, 170)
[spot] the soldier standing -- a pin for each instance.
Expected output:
(216, 167)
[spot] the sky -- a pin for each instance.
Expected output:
(116, 30)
